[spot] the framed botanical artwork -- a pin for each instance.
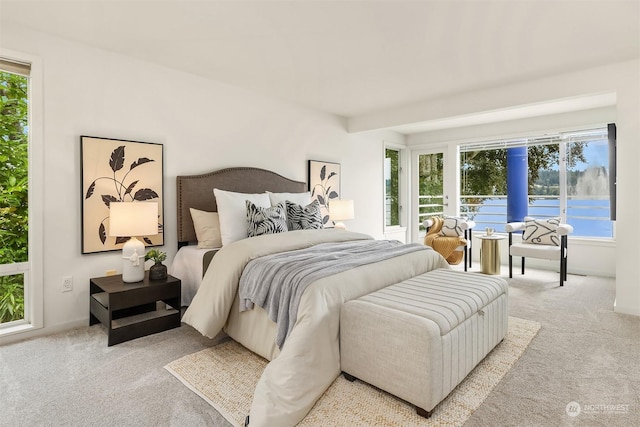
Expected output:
(324, 185)
(115, 170)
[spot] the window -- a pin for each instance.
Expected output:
(568, 176)
(430, 185)
(14, 193)
(392, 171)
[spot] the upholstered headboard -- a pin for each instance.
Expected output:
(196, 191)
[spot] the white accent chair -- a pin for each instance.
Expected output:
(550, 251)
(467, 227)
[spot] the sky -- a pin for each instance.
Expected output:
(596, 153)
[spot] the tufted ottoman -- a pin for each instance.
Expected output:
(418, 339)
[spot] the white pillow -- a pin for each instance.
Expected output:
(451, 227)
(232, 211)
(207, 226)
(302, 199)
(541, 231)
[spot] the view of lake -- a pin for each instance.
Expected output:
(589, 218)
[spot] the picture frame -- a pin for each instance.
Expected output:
(323, 179)
(116, 170)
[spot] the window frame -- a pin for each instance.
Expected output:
(561, 138)
(33, 279)
(402, 186)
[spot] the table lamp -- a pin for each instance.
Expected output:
(133, 219)
(341, 210)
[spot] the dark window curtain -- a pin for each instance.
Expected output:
(611, 128)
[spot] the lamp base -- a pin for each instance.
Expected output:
(339, 225)
(133, 261)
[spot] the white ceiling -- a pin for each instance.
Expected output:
(350, 57)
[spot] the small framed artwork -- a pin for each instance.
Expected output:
(324, 185)
(115, 170)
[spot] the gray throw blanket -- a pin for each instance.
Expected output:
(276, 282)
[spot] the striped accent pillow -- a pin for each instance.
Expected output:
(304, 217)
(266, 220)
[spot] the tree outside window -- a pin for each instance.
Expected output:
(14, 179)
(392, 190)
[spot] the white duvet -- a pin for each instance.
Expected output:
(310, 358)
(187, 266)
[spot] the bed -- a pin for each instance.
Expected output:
(189, 265)
(309, 360)
(195, 192)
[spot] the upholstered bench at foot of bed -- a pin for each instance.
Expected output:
(418, 339)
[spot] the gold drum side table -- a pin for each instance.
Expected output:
(490, 253)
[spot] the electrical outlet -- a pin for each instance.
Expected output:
(67, 284)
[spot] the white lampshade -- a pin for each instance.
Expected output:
(129, 219)
(341, 210)
(132, 219)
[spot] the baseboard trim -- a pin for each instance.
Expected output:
(30, 333)
(633, 311)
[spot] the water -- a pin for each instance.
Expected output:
(589, 218)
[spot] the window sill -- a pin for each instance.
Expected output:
(590, 241)
(19, 328)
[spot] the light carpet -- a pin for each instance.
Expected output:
(226, 376)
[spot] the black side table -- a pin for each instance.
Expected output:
(128, 310)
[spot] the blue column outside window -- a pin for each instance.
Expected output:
(517, 184)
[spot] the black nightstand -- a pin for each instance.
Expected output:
(128, 310)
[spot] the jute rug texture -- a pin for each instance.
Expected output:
(226, 376)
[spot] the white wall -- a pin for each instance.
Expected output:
(203, 125)
(621, 79)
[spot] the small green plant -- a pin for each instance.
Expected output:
(156, 256)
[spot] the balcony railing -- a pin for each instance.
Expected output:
(589, 217)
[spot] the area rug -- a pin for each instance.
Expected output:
(226, 376)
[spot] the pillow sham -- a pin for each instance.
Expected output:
(232, 211)
(299, 198)
(306, 217)
(207, 226)
(269, 220)
(451, 227)
(541, 231)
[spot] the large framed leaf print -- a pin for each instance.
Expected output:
(324, 185)
(115, 170)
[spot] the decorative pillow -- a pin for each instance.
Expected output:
(452, 227)
(207, 226)
(541, 231)
(300, 198)
(304, 217)
(232, 211)
(269, 220)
